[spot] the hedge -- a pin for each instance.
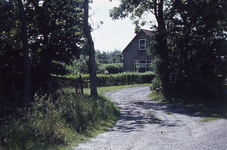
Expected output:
(114, 68)
(125, 78)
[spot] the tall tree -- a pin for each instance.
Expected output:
(11, 47)
(87, 32)
(56, 32)
(27, 73)
(7, 25)
(195, 30)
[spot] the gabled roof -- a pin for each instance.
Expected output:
(147, 32)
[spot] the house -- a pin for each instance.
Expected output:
(135, 56)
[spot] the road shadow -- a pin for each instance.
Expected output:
(133, 118)
(138, 110)
(192, 111)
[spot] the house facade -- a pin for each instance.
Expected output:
(135, 56)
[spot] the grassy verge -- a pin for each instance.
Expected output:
(60, 121)
(209, 110)
(57, 123)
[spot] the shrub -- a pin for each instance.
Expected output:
(114, 68)
(156, 84)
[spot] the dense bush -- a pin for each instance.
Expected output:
(156, 84)
(114, 68)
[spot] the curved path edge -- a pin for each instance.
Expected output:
(145, 124)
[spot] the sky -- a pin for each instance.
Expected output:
(111, 34)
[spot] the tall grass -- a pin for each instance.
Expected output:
(50, 122)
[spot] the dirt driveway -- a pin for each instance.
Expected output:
(148, 125)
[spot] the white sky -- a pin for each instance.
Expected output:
(112, 34)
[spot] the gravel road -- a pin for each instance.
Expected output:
(149, 125)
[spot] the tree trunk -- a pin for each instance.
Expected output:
(162, 42)
(45, 55)
(27, 74)
(87, 33)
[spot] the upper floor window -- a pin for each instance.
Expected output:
(142, 44)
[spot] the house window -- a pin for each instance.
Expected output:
(142, 44)
(141, 65)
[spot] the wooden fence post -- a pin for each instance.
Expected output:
(81, 85)
(58, 82)
(76, 86)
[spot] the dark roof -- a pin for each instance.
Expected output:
(147, 32)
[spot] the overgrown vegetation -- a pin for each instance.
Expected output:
(59, 121)
(62, 120)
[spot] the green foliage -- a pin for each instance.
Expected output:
(109, 57)
(51, 122)
(114, 68)
(80, 66)
(133, 9)
(61, 32)
(157, 96)
(156, 84)
(101, 68)
(54, 35)
(189, 42)
(196, 48)
(11, 59)
(125, 78)
(59, 68)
